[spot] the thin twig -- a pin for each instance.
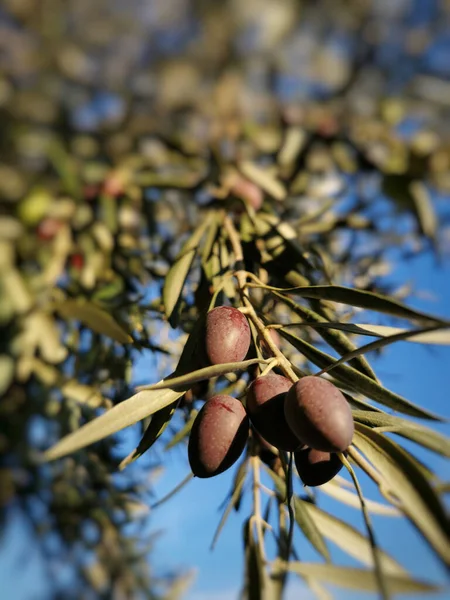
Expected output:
(257, 518)
(173, 492)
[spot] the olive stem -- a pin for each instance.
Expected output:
(173, 492)
(256, 517)
(241, 277)
(376, 557)
(269, 367)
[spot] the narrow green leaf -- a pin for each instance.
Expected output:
(136, 408)
(201, 374)
(426, 215)
(264, 179)
(413, 431)
(441, 336)
(406, 481)
(93, 317)
(156, 428)
(238, 484)
(183, 432)
(378, 344)
(178, 272)
(349, 539)
(358, 579)
(353, 379)
(360, 298)
(303, 517)
(333, 489)
(336, 339)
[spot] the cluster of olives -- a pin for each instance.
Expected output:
(311, 418)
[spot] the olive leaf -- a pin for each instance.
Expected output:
(178, 272)
(263, 178)
(334, 490)
(183, 432)
(234, 497)
(378, 344)
(426, 215)
(440, 336)
(303, 518)
(357, 579)
(128, 412)
(360, 298)
(200, 374)
(155, 429)
(335, 339)
(415, 432)
(353, 379)
(349, 539)
(93, 317)
(403, 479)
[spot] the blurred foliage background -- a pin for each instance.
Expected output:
(120, 122)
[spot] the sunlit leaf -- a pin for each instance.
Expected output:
(128, 412)
(93, 317)
(264, 179)
(413, 431)
(441, 336)
(349, 539)
(204, 373)
(358, 579)
(178, 272)
(406, 481)
(347, 497)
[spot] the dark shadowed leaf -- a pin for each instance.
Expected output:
(337, 340)
(156, 428)
(360, 298)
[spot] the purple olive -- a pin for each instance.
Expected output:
(227, 336)
(316, 467)
(319, 415)
(265, 406)
(218, 436)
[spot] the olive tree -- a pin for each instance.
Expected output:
(222, 189)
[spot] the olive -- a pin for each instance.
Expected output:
(265, 406)
(218, 436)
(316, 467)
(227, 336)
(319, 415)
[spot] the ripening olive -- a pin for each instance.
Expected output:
(265, 406)
(227, 336)
(316, 467)
(319, 415)
(218, 436)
